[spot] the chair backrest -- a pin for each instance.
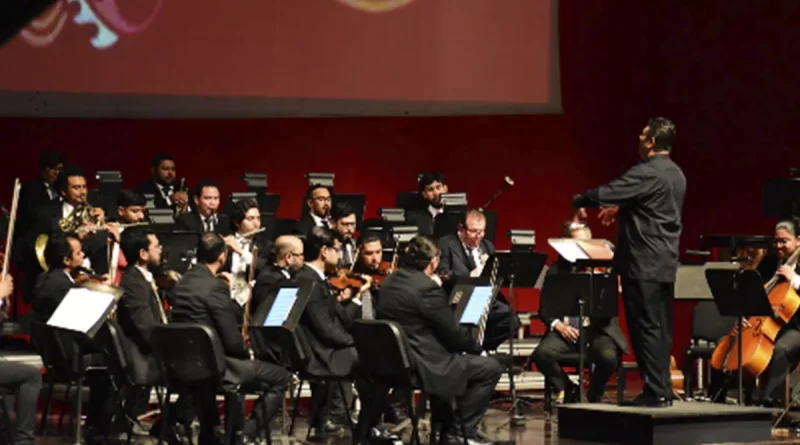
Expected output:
(189, 354)
(49, 345)
(297, 349)
(116, 349)
(708, 324)
(383, 351)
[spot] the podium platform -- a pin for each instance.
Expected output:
(685, 423)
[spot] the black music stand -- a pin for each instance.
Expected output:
(739, 293)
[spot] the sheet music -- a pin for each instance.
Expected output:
(567, 248)
(284, 302)
(81, 309)
(476, 304)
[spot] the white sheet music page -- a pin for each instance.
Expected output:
(568, 248)
(80, 310)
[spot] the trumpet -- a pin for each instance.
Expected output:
(180, 210)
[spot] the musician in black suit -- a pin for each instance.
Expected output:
(413, 298)
(130, 207)
(246, 219)
(202, 297)
(163, 184)
(343, 224)
(39, 192)
(465, 254)
(64, 257)
(318, 200)
(431, 186)
(205, 218)
(648, 199)
(605, 339)
(139, 311)
(288, 254)
(63, 254)
(24, 381)
(333, 350)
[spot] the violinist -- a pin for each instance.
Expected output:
(163, 185)
(605, 343)
(369, 261)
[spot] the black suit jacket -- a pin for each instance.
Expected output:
(650, 199)
(421, 307)
(33, 197)
(269, 277)
(201, 297)
(610, 326)
(50, 290)
(454, 261)
(191, 221)
(150, 188)
(422, 218)
(305, 225)
(137, 311)
(324, 325)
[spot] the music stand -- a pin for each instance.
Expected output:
(584, 253)
(739, 293)
(470, 296)
(81, 314)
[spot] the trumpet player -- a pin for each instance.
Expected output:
(163, 185)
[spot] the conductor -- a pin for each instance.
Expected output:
(648, 199)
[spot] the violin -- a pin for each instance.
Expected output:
(383, 271)
(85, 275)
(341, 279)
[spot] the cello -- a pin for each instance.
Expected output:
(759, 333)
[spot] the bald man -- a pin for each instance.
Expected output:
(288, 255)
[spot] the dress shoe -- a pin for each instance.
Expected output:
(379, 432)
(458, 440)
(649, 401)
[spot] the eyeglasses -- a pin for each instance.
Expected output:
(475, 231)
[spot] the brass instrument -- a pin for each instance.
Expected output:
(80, 217)
(180, 210)
(507, 182)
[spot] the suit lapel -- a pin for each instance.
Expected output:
(465, 256)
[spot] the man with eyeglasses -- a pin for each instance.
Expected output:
(464, 254)
(318, 200)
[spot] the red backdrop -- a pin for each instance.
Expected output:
(721, 70)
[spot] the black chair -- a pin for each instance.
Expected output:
(191, 356)
(708, 326)
(284, 226)
(572, 360)
(390, 364)
(298, 351)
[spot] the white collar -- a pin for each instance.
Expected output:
(67, 208)
(146, 273)
(68, 276)
(319, 221)
(319, 272)
(434, 211)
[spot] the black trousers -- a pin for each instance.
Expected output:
(602, 353)
(272, 379)
(501, 322)
(482, 376)
(26, 382)
(648, 310)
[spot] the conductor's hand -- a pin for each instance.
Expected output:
(787, 272)
(568, 332)
(608, 215)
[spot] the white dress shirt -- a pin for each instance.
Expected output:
(239, 263)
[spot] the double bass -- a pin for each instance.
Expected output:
(758, 334)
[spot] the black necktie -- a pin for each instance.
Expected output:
(210, 224)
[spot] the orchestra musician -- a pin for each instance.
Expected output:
(333, 349)
(206, 217)
(163, 184)
(24, 381)
(130, 207)
(465, 254)
(64, 257)
(413, 298)
(343, 224)
(202, 297)
(139, 311)
(605, 340)
(431, 186)
(318, 200)
(39, 192)
(648, 199)
(288, 254)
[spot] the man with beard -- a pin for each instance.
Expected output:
(431, 187)
(163, 184)
(343, 223)
(318, 200)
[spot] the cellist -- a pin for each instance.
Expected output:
(786, 354)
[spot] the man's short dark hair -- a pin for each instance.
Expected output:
(209, 248)
(240, 209)
(312, 187)
(341, 210)
(316, 239)
(133, 241)
(198, 189)
(159, 158)
(662, 131)
(65, 174)
(128, 197)
(419, 252)
(50, 159)
(57, 249)
(428, 179)
(368, 237)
